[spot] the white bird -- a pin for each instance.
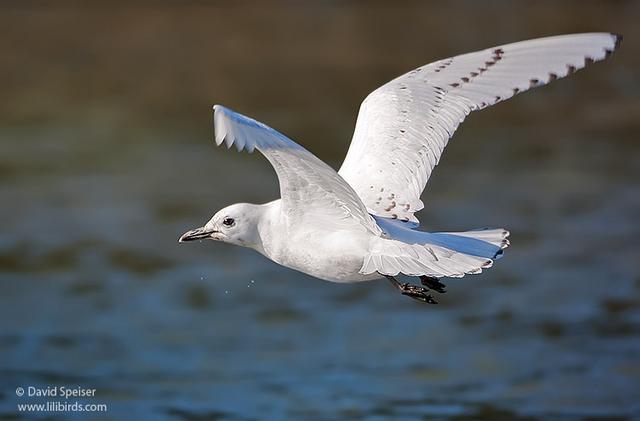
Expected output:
(359, 223)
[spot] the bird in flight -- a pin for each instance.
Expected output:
(359, 223)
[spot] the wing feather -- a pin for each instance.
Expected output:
(403, 126)
(309, 187)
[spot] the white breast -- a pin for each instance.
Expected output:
(335, 256)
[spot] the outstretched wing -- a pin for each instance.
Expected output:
(404, 125)
(310, 189)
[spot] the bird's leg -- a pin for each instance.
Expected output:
(433, 283)
(414, 291)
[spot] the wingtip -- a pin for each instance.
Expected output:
(220, 134)
(218, 108)
(618, 38)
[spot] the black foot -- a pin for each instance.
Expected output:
(414, 291)
(417, 293)
(433, 283)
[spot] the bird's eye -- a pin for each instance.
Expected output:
(228, 222)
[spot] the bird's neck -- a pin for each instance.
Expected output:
(268, 225)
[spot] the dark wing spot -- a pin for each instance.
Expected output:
(474, 74)
(430, 250)
(465, 79)
(618, 40)
(533, 82)
(552, 77)
(588, 60)
(455, 85)
(515, 90)
(571, 69)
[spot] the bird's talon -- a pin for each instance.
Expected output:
(433, 283)
(414, 291)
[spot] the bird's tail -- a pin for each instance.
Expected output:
(437, 254)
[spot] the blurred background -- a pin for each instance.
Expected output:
(106, 157)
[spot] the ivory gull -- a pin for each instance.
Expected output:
(359, 223)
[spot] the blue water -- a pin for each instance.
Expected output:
(97, 292)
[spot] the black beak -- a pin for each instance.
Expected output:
(196, 234)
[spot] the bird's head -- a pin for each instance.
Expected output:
(236, 224)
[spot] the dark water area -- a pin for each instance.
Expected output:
(106, 157)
